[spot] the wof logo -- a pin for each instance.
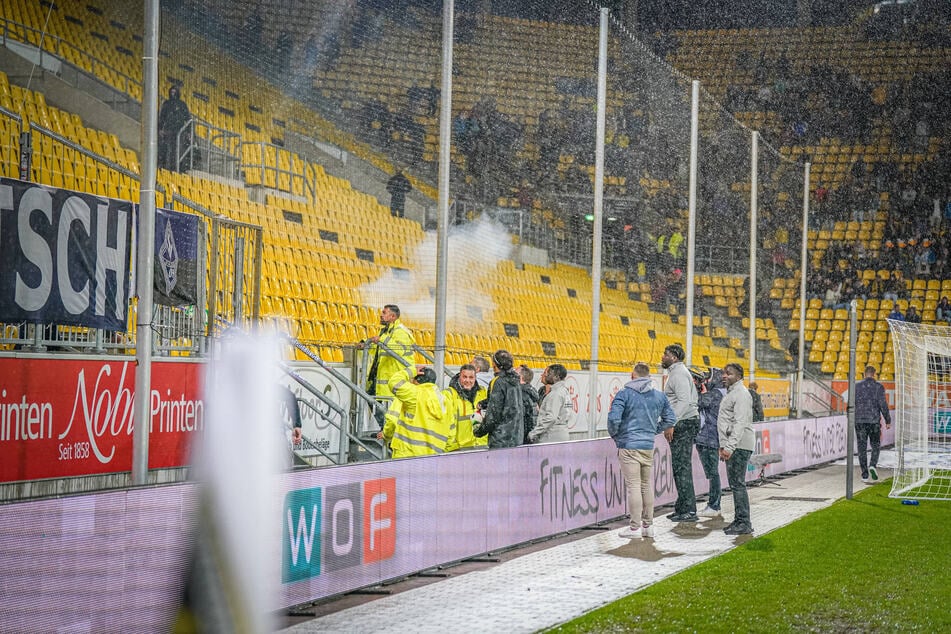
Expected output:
(337, 527)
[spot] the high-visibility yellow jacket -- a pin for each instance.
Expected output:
(674, 243)
(399, 339)
(423, 427)
(460, 411)
(391, 420)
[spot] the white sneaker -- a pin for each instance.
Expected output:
(647, 531)
(872, 472)
(709, 512)
(630, 533)
(867, 480)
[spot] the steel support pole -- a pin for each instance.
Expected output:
(598, 225)
(442, 221)
(850, 435)
(692, 215)
(754, 212)
(145, 256)
(803, 272)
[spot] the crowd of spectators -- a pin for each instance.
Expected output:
(539, 163)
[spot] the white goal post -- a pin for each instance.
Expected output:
(922, 411)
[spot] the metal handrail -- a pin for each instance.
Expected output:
(824, 406)
(336, 408)
(355, 389)
(360, 392)
(432, 359)
(819, 382)
(58, 45)
(217, 142)
(266, 169)
(96, 157)
(309, 443)
(88, 153)
(12, 115)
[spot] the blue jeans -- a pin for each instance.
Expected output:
(710, 459)
(736, 475)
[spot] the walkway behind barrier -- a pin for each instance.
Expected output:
(547, 587)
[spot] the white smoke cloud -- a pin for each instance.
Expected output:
(475, 249)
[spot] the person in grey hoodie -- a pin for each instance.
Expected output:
(638, 413)
(551, 425)
(737, 442)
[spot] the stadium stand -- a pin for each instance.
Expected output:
(324, 236)
(303, 206)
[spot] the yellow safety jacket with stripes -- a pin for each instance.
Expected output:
(460, 410)
(423, 425)
(399, 339)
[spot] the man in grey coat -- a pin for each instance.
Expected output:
(555, 410)
(682, 394)
(737, 442)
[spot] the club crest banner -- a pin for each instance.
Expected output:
(176, 258)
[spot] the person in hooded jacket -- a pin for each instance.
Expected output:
(423, 427)
(638, 413)
(529, 401)
(461, 397)
(708, 440)
(173, 115)
(502, 417)
(484, 373)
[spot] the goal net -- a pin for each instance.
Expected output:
(922, 411)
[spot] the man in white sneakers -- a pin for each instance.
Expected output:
(737, 442)
(870, 408)
(638, 413)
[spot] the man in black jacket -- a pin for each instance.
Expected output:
(870, 408)
(172, 117)
(503, 416)
(398, 186)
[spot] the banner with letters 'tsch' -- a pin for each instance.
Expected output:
(64, 256)
(61, 418)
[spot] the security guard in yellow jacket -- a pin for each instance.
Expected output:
(424, 426)
(397, 337)
(462, 397)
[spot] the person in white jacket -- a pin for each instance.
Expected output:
(555, 410)
(737, 442)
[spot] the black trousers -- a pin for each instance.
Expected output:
(736, 476)
(864, 434)
(681, 459)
